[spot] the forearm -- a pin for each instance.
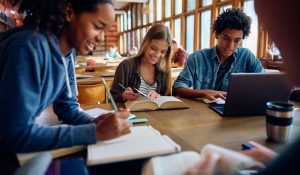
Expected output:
(71, 114)
(189, 93)
(39, 138)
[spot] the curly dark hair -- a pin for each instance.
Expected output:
(233, 18)
(50, 14)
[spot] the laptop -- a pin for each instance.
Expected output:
(248, 93)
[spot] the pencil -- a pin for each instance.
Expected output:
(110, 96)
(122, 86)
(140, 92)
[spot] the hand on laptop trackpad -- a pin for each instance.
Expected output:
(218, 101)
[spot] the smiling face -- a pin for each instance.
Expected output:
(86, 30)
(228, 42)
(156, 50)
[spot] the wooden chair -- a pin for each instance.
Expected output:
(91, 94)
(79, 69)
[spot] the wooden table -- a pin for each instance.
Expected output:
(194, 127)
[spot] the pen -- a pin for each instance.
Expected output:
(122, 86)
(140, 92)
(110, 96)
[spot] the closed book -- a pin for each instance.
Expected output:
(163, 102)
(142, 142)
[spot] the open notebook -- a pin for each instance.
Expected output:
(163, 102)
(48, 118)
(142, 142)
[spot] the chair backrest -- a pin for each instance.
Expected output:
(91, 94)
(80, 69)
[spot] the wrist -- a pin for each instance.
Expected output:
(201, 93)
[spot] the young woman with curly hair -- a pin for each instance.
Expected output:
(208, 70)
(37, 70)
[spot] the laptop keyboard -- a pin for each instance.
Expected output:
(217, 107)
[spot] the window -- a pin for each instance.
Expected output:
(177, 30)
(138, 38)
(144, 32)
(151, 15)
(251, 41)
(125, 43)
(145, 14)
(178, 7)
(125, 21)
(129, 19)
(190, 34)
(158, 10)
(138, 12)
(133, 42)
(205, 29)
(121, 46)
(121, 23)
(134, 16)
(167, 8)
(206, 2)
(128, 42)
(167, 23)
(191, 4)
(223, 8)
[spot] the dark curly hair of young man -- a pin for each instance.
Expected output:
(233, 18)
(50, 14)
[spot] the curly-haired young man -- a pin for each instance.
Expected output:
(208, 70)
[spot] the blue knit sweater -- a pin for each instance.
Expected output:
(33, 75)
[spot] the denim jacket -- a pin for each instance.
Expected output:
(201, 68)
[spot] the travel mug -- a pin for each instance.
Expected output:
(279, 118)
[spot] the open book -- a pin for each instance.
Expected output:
(142, 142)
(230, 162)
(163, 102)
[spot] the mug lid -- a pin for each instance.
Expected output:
(280, 106)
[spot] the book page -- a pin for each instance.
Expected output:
(231, 161)
(174, 164)
(168, 102)
(141, 104)
(129, 150)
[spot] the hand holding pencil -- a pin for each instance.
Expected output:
(128, 94)
(113, 124)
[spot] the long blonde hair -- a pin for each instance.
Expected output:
(159, 32)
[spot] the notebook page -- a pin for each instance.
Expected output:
(137, 132)
(95, 112)
(131, 149)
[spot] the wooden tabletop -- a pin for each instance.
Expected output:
(194, 127)
(97, 76)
